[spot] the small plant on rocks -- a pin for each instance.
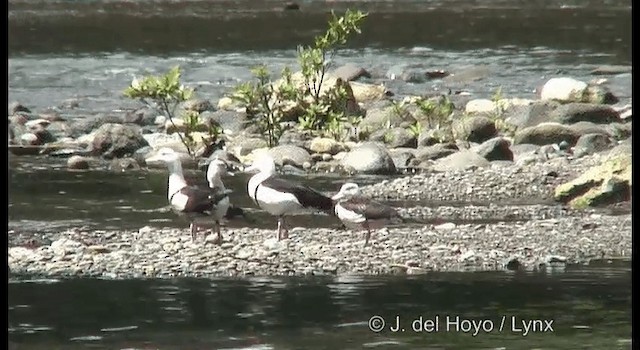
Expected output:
(497, 115)
(166, 92)
(319, 110)
(415, 128)
(438, 116)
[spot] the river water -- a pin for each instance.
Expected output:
(88, 51)
(585, 308)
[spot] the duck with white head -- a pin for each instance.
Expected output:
(280, 197)
(201, 206)
(360, 213)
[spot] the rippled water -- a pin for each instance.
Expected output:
(90, 50)
(590, 307)
(93, 49)
(130, 200)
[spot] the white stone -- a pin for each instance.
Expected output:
(65, 246)
(480, 105)
(446, 226)
(563, 89)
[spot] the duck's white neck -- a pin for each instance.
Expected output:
(176, 178)
(256, 180)
(263, 175)
(215, 181)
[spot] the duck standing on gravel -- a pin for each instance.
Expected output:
(357, 212)
(280, 197)
(216, 169)
(199, 205)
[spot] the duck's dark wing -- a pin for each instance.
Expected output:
(198, 199)
(368, 208)
(218, 194)
(307, 196)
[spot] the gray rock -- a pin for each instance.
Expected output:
(64, 246)
(583, 128)
(591, 143)
(18, 119)
(381, 118)
(327, 167)
(577, 112)
(600, 94)
(369, 158)
(378, 135)
(244, 144)
(15, 107)
(468, 74)
(143, 116)
(546, 134)
(70, 103)
(58, 129)
(29, 139)
(410, 73)
(429, 136)
(436, 151)
(141, 154)
(86, 125)
(400, 137)
(290, 154)
(524, 149)
(158, 140)
(78, 163)
(495, 149)
(293, 137)
(620, 131)
(415, 76)
(436, 74)
(324, 145)
(117, 140)
(198, 105)
(124, 164)
(230, 121)
(523, 116)
(402, 156)
(461, 160)
(474, 129)
(350, 72)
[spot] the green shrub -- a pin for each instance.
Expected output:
(166, 92)
(319, 111)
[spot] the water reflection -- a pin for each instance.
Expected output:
(73, 27)
(590, 306)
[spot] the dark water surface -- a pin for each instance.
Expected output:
(89, 51)
(589, 308)
(46, 197)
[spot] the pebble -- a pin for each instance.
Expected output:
(501, 235)
(518, 245)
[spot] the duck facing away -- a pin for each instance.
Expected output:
(280, 197)
(216, 169)
(200, 205)
(360, 213)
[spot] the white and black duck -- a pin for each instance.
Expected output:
(281, 197)
(361, 213)
(202, 206)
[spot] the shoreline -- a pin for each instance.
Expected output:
(494, 237)
(169, 253)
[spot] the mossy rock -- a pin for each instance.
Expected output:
(607, 183)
